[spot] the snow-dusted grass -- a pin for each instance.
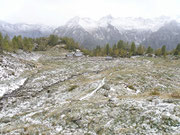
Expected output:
(11, 86)
(122, 103)
(13, 70)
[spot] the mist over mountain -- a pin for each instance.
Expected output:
(25, 30)
(155, 32)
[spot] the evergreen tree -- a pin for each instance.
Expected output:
(53, 40)
(27, 44)
(1, 41)
(163, 50)
(42, 44)
(158, 52)
(149, 50)
(96, 51)
(120, 45)
(6, 44)
(15, 43)
(177, 50)
(114, 50)
(107, 49)
(70, 43)
(133, 48)
(122, 53)
(140, 50)
(20, 42)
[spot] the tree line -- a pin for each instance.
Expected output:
(120, 49)
(125, 49)
(36, 44)
(17, 42)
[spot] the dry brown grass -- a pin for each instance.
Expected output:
(31, 129)
(175, 94)
(154, 93)
(72, 88)
(161, 95)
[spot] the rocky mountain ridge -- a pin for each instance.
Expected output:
(25, 30)
(109, 30)
(155, 32)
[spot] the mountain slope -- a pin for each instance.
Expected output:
(26, 30)
(109, 30)
(89, 33)
(168, 35)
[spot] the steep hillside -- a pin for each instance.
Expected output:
(168, 35)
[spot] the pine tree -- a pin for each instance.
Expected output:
(107, 49)
(27, 44)
(140, 50)
(114, 49)
(133, 48)
(70, 43)
(158, 52)
(53, 40)
(177, 50)
(15, 43)
(6, 44)
(1, 41)
(20, 42)
(149, 50)
(122, 53)
(163, 50)
(120, 45)
(96, 51)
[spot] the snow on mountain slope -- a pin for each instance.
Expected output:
(27, 29)
(110, 30)
(85, 23)
(129, 23)
(177, 18)
(126, 23)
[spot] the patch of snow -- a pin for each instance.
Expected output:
(26, 56)
(94, 91)
(121, 23)
(11, 86)
(85, 23)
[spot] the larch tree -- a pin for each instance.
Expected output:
(177, 50)
(133, 48)
(163, 50)
(149, 50)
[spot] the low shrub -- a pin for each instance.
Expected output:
(72, 87)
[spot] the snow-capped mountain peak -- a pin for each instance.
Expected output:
(122, 23)
(29, 30)
(130, 23)
(86, 23)
(110, 30)
(107, 18)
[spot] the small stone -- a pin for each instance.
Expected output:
(156, 101)
(106, 87)
(5, 120)
(106, 94)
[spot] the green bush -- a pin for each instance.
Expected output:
(72, 87)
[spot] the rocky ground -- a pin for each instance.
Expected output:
(46, 93)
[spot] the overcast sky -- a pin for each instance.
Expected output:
(57, 12)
